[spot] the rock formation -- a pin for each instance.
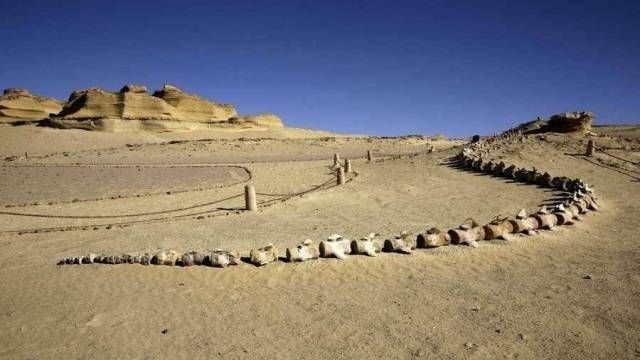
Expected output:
(571, 122)
(195, 108)
(269, 120)
(18, 105)
(140, 89)
(566, 122)
(132, 108)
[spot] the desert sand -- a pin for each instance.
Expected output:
(570, 293)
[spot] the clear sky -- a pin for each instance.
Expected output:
(375, 67)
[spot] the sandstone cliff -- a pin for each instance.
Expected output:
(268, 120)
(132, 108)
(194, 107)
(581, 121)
(18, 105)
(566, 122)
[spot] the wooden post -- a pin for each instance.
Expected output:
(347, 166)
(250, 198)
(590, 147)
(340, 174)
(369, 156)
(336, 160)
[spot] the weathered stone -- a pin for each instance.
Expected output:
(579, 121)
(466, 236)
(366, 246)
(545, 220)
(187, 259)
(168, 258)
(433, 237)
(498, 229)
(18, 105)
(403, 243)
(335, 246)
(510, 172)
(133, 109)
(263, 255)
(145, 259)
(138, 89)
(265, 120)
(223, 258)
(303, 252)
(88, 259)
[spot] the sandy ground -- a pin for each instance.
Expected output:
(42, 140)
(571, 293)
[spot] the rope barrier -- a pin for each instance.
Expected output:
(166, 219)
(121, 215)
(279, 198)
(602, 150)
(249, 177)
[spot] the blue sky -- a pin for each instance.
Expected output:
(376, 67)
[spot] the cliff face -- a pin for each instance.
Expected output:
(18, 105)
(268, 120)
(566, 122)
(579, 121)
(132, 108)
(134, 103)
(194, 107)
(94, 103)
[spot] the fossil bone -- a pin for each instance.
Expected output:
(223, 258)
(545, 219)
(303, 252)
(165, 258)
(263, 255)
(402, 243)
(510, 172)
(467, 233)
(434, 237)
(335, 246)
(366, 246)
(498, 229)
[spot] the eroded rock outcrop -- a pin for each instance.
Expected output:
(95, 103)
(571, 122)
(19, 105)
(138, 89)
(132, 108)
(566, 122)
(269, 120)
(193, 107)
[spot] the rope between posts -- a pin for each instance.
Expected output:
(602, 150)
(121, 224)
(248, 177)
(301, 192)
(163, 219)
(280, 197)
(249, 174)
(122, 215)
